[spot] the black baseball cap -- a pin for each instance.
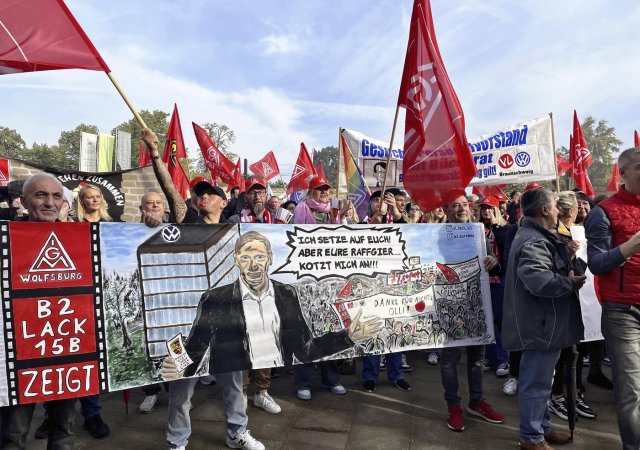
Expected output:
(205, 187)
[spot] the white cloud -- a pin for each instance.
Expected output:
(275, 44)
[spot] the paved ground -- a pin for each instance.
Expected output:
(386, 419)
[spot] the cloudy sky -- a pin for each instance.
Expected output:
(280, 72)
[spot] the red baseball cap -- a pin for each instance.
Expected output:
(490, 201)
(196, 180)
(254, 182)
(531, 186)
(319, 182)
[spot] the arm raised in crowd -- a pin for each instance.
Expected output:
(177, 206)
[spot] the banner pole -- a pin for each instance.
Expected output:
(386, 172)
(553, 143)
(339, 163)
(126, 100)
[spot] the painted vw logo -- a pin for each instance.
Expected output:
(523, 159)
(170, 234)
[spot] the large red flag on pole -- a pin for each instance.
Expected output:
(580, 158)
(303, 172)
(614, 181)
(636, 139)
(267, 167)
(43, 35)
(563, 164)
(174, 150)
(215, 161)
(437, 163)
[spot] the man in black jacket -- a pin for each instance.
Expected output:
(541, 313)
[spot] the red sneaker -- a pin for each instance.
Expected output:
(484, 410)
(456, 418)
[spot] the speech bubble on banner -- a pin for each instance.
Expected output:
(344, 252)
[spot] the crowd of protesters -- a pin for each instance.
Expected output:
(535, 281)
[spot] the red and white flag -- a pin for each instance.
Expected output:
(215, 161)
(563, 164)
(267, 167)
(580, 159)
(303, 172)
(320, 171)
(614, 181)
(43, 35)
(238, 179)
(174, 151)
(636, 139)
(437, 163)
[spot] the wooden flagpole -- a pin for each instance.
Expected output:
(553, 143)
(126, 100)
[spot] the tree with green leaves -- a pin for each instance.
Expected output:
(11, 143)
(69, 143)
(603, 143)
(157, 121)
(328, 156)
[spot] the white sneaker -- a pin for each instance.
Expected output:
(244, 441)
(502, 370)
(510, 387)
(182, 447)
(265, 401)
(433, 358)
(147, 404)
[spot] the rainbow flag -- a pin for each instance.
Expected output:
(357, 190)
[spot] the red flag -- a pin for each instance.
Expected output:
(489, 191)
(345, 292)
(437, 163)
(144, 156)
(580, 159)
(450, 275)
(563, 164)
(320, 171)
(216, 161)
(238, 179)
(173, 151)
(614, 181)
(303, 172)
(43, 35)
(267, 167)
(636, 139)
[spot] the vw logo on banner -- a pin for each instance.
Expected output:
(170, 234)
(523, 159)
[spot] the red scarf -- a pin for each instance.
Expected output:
(247, 216)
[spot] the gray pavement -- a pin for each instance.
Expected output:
(386, 419)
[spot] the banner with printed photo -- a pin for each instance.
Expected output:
(521, 153)
(98, 307)
(371, 156)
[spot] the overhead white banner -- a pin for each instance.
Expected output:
(123, 150)
(371, 157)
(521, 153)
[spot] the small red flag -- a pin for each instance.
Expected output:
(636, 139)
(303, 172)
(563, 164)
(489, 191)
(43, 35)
(267, 167)
(320, 171)
(216, 161)
(450, 275)
(173, 149)
(437, 163)
(345, 292)
(580, 158)
(238, 180)
(614, 181)
(144, 157)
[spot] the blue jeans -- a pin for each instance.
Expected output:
(180, 393)
(304, 373)
(536, 373)
(17, 421)
(371, 367)
(449, 359)
(621, 331)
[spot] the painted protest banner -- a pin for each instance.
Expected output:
(371, 156)
(99, 307)
(521, 153)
